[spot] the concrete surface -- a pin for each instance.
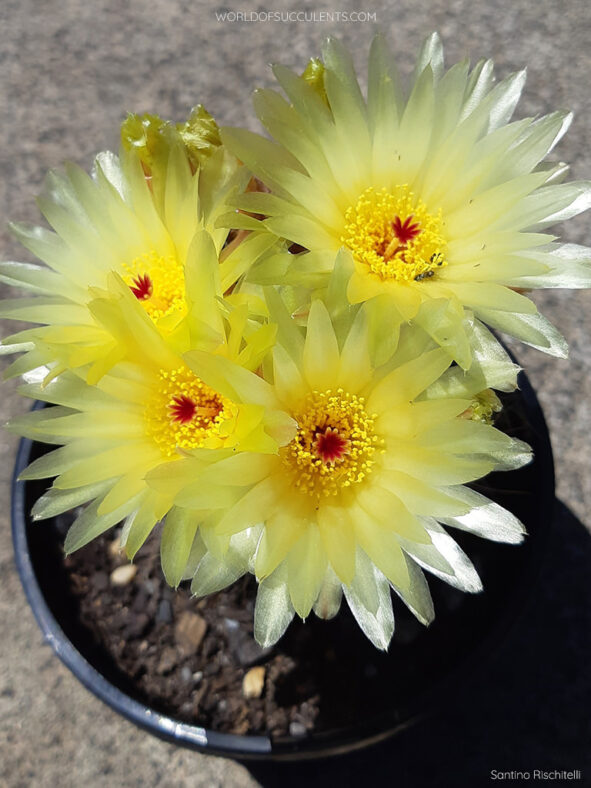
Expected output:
(70, 71)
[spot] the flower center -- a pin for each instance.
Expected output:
(334, 445)
(393, 234)
(157, 282)
(185, 413)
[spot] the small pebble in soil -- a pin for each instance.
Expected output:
(123, 575)
(186, 674)
(197, 676)
(297, 729)
(189, 631)
(168, 659)
(254, 682)
(243, 646)
(164, 613)
(115, 547)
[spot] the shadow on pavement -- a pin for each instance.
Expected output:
(529, 708)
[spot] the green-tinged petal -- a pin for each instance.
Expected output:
(534, 330)
(288, 378)
(464, 575)
(480, 82)
(230, 379)
(303, 230)
(31, 277)
(306, 567)
(417, 596)
(566, 265)
(273, 611)
(382, 546)
(443, 320)
(422, 499)
(436, 468)
(271, 162)
(550, 205)
(178, 535)
(259, 503)
(107, 464)
(288, 333)
(321, 350)
(123, 490)
(408, 381)
(491, 368)
(202, 279)
(430, 54)
(37, 424)
(378, 626)
(355, 364)
(240, 470)
(485, 518)
(328, 603)
(493, 297)
(139, 526)
(409, 421)
(243, 257)
(388, 511)
(196, 554)
(416, 127)
(463, 436)
(89, 524)
(55, 502)
(281, 531)
(214, 575)
(385, 103)
(503, 99)
(338, 539)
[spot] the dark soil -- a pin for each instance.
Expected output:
(188, 658)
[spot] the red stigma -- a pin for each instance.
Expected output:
(407, 230)
(182, 409)
(142, 287)
(329, 445)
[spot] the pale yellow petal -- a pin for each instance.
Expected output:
(321, 350)
(382, 547)
(306, 566)
(408, 381)
(338, 539)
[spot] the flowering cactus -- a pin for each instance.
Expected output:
(279, 348)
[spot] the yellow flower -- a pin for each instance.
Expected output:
(145, 226)
(351, 503)
(151, 411)
(437, 198)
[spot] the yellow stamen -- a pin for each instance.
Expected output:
(185, 413)
(158, 282)
(342, 418)
(394, 235)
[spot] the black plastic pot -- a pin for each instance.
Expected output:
(424, 668)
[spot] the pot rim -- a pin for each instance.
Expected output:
(240, 747)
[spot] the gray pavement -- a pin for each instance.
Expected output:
(70, 70)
